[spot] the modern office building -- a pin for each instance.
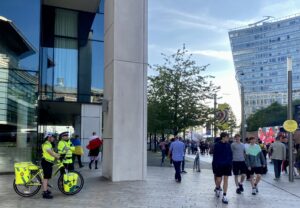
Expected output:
(17, 97)
(260, 52)
(77, 63)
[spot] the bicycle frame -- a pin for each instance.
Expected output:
(57, 166)
(68, 184)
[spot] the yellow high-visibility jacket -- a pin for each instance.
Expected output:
(65, 148)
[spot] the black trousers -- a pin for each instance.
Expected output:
(277, 167)
(68, 166)
(177, 170)
(183, 163)
(78, 158)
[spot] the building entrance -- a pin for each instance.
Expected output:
(77, 118)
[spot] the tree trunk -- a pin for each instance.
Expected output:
(150, 144)
(155, 142)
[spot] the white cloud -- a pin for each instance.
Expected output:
(281, 9)
(203, 20)
(223, 55)
(200, 25)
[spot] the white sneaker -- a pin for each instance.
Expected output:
(225, 200)
(253, 191)
(218, 193)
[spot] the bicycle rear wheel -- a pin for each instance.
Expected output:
(76, 189)
(30, 189)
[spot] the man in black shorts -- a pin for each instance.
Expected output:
(222, 165)
(47, 162)
(238, 163)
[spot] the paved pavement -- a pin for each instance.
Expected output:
(154, 159)
(158, 190)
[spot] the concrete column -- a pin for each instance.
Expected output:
(125, 73)
(91, 121)
(77, 125)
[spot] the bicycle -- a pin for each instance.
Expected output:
(28, 179)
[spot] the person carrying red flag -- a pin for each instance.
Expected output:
(94, 146)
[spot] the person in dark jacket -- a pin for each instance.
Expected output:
(222, 165)
(255, 162)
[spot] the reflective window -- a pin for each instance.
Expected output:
(97, 28)
(19, 61)
(72, 55)
(97, 66)
(66, 65)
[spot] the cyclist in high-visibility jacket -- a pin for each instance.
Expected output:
(47, 162)
(65, 149)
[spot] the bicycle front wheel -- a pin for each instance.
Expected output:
(29, 189)
(70, 186)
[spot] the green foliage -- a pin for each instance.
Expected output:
(273, 115)
(176, 94)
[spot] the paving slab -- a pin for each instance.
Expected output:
(158, 190)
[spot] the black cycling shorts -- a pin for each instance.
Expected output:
(47, 168)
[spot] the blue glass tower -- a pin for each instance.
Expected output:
(260, 52)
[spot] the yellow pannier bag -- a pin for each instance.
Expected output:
(32, 167)
(22, 172)
(70, 182)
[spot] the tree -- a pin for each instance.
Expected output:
(176, 94)
(273, 115)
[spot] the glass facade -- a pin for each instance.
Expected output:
(72, 55)
(47, 54)
(19, 41)
(260, 54)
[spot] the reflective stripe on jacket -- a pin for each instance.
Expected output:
(66, 148)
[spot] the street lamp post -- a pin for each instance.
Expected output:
(243, 123)
(291, 164)
(215, 112)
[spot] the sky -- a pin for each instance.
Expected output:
(203, 27)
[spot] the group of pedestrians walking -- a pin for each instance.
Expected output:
(238, 158)
(244, 160)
